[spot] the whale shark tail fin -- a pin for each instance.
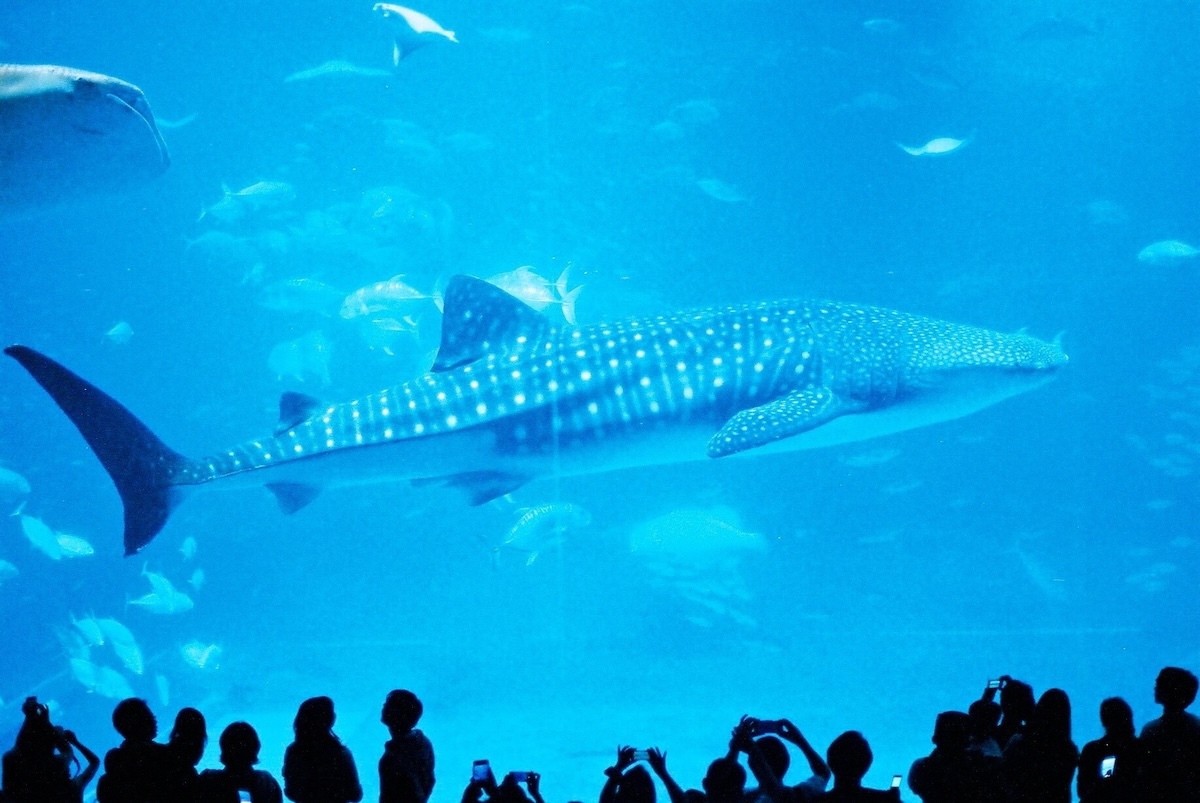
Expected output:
(143, 468)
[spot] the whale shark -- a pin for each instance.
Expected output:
(511, 397)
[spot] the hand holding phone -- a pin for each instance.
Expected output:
(641, 755)
(896, 781)
(480, 770)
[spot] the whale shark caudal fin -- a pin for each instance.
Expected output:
(479, 318)
(141, 466)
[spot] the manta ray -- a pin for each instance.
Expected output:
(65, 132)
(511, 397)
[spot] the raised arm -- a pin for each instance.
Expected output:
(815, 763)
(658, 762)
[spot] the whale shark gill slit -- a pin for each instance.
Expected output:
(512, 398)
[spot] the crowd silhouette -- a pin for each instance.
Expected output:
(1008, 747)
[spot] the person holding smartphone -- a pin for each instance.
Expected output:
(1109, 766)
(627, 781)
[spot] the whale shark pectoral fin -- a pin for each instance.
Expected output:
(479, 318)
(798, 411)
(480, 487)
(295, 408)
(293, 496)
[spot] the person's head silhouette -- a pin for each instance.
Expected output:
(1117, 718)
(239, 746)
(1175, 689)
(134, 720)
(849, 757)
(401, 711)
(314, 718)
(636, 786)
(189, 735)
(774, 753)
(725, 780)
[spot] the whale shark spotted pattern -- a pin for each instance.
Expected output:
(511, 397)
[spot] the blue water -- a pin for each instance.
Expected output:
(1050, 537)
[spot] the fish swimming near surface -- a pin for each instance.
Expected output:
(540, 527)
(410, 29)
(65, 133)
(1167, 252)
(14, 492)
(512, 397)
(935, 147)
(336, 67)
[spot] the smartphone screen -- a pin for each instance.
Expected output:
(641, 755)
(1107, 765)
(479, 770)
(520, 776)
(993, 684)
(896, 781)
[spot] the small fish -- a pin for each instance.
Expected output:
(300, 295)
(304, 359)
(188, 548)
(390, 296)
(178, 123)
(14, 490)
(336, 67)
(936, 147)
(164, 604)
(123, 644)
(41, 537)
(537, 291)
(120, 334)
(410, 29)
(543, 526)
(7, 571)
(90, 628)
(234, 204)
(73, 546)
(84, 671)
(1166, 252)
(112, 684)
(726, 193)
(883, 26)
(196, 581)
(201, 656)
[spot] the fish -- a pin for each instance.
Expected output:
(695, 536)
(84, 671)
(537, 291)
(111, 684)
(301, 295)
(201, 656)
(512, 397)
(542, 526)
(120, 334)
(196, 581)
(391, 296)
(90, 628)
(14, 491)
(883, 26)
(1167, 252)
(41, 537)
(236, 204)
(410, 30)
(72, 546)
(7, 571)
(936, 147)
(164, 598)
(178, 122)
(188, 548)
(66, 133)
(304, 359)
(726, 193)
(336, 67)
(123, 644)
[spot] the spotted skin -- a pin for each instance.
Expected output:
(511, 398)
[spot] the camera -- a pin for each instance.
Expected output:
(1108, 765)
(32, 708)
(480, 770)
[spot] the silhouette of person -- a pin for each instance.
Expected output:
(507, 791)
(38, 768)
(406, 767)
(627, 783)
(185, 748)
(239, 753)
(317, 767)
(985, 716)
(1109, 766)
(1016, 708)
(724, 782)
(953, 773)
(769, 761)
(1172, 742)
(1040, 763)
(135, 770)
(849, 757)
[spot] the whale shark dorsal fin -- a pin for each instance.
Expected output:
(798, 411)
(295, 408)
(479, 318)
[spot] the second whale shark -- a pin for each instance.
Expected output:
(511, 397)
